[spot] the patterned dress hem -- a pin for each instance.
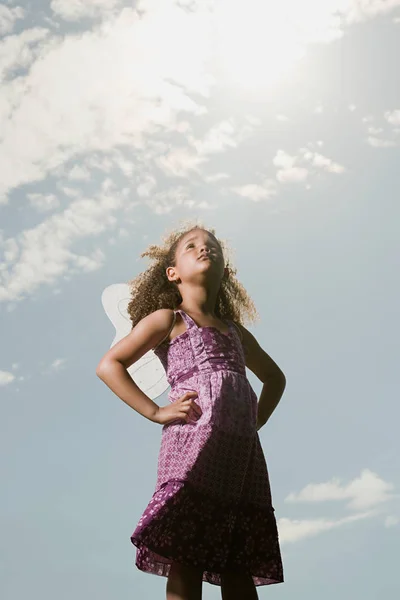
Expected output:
(180, 526)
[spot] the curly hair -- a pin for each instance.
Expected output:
(152, 290)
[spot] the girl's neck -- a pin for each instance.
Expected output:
(201, 311)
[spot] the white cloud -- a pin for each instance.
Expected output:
(8, 17)
(75, 10)
(283, 118)
(255, 121)
(320, 161)
(90, 262)
(183, 127)
(179, 162)
(217, 139)
(375, 130)
(68, 191)
(164, 202)
(222, 136)
(284, 160)
(291, 530)
(291, 169)
(352, 107)
(257, 192)
(288, 172)
(79, 173)
(112, 86)
(146, 186)
(10, 251)
(376, 137)
(6, 378)
(19, 51)
(292, 175)
(379, 143)
(114, 159)
(57, 364)
(215, 177)
(42, 254)
(108, 87)
(391, 521)
(364, 492)
(393, 117)
(274, 36)
(105, 164)
(361, 10)
(43, 202)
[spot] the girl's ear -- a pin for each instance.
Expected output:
(169, 273)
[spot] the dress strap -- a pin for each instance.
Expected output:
(166, 337)
(239, 330)
(191, 323)
(187, 318)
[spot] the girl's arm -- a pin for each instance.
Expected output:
(112, 368)
(267, 371)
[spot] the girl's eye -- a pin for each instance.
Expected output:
(191, 244)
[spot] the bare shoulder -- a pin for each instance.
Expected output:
(157, 325)
(160, 318)
(257, 360)
(146, 334)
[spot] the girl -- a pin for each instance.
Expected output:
(211, 516)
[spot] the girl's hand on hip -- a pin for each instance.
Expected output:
(178, 410)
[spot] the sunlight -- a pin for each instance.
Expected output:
(256, 42)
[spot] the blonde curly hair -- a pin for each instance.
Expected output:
(152, 290)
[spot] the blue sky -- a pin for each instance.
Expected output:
(280, 128)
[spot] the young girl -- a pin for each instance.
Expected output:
(211, 516)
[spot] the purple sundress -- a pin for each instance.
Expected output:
(212, 507)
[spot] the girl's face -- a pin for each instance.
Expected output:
(191, 248)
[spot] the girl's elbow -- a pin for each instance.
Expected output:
(98, 372)
(101, 369)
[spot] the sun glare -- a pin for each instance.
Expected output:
(256, 45)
